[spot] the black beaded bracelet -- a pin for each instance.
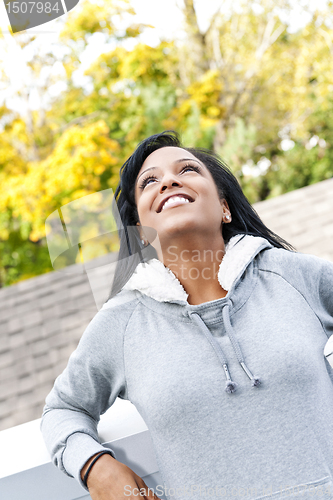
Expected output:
(84, 480)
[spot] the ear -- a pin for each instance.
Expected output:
(142, 235)
(226, 214)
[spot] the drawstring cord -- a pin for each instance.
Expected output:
(226, 318)
(230, 384)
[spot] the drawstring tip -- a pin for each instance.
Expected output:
(230, 386)
(255, 382)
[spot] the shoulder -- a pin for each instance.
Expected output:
(125, 300)
(297, 268)
(310, 276)
(280, 259)
(111, 320)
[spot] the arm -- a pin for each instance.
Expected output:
(92, 380)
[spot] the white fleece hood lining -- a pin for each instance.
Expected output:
(158, 282)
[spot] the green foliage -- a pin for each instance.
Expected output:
(20, 258)
(239, 145)
(297, 168)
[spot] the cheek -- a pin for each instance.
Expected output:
(143, 208)
(214, 209)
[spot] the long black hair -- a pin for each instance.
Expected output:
(245, 219)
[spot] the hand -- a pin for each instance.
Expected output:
(112, 480)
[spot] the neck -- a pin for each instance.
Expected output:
(196, 265)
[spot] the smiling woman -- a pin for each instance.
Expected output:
(161, 168)
(205, 295)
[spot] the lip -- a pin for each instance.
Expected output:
(184, 195)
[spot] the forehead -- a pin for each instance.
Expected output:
(164, 156)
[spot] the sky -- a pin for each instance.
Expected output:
(165, 15)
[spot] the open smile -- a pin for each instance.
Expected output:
(174, 201)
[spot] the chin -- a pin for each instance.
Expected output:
(177, 229)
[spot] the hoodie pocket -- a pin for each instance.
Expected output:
(321, 489)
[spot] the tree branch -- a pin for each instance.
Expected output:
(80, 119)
(220, 63)
(327, 39)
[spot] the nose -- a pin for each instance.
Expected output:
(169, 180)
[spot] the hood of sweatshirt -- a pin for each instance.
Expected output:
(155, 280)
(158, 282)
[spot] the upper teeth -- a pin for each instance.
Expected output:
(174, 199)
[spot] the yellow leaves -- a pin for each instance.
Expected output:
(88, 17)
(82, 144)
(108, 67)
(122, 71)
(214, 112)
(73, 169)
(144, 63)
(10, 161)
(14, 144)
(4, 198)
(34, 235)
(100, 16)
(136, 29)
(19, 130)
(203, 95)
(209, 85)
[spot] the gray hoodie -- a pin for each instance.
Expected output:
(236, 392)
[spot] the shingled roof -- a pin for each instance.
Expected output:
(43, 318)
(303, 217)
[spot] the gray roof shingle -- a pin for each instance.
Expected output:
(303, 217)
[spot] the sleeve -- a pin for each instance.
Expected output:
(322, 297)
(312, 277)
(319, 290)
(326, 296)
(89, 385)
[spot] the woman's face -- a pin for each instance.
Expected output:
(176, 195)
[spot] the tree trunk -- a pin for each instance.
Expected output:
(196, 38)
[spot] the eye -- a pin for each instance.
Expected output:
(186, 168)
(146, 180)
(190, 167)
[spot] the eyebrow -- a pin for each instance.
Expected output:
(175, 162)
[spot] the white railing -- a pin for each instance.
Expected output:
(26, 472)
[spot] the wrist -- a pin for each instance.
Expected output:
(90, 464)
